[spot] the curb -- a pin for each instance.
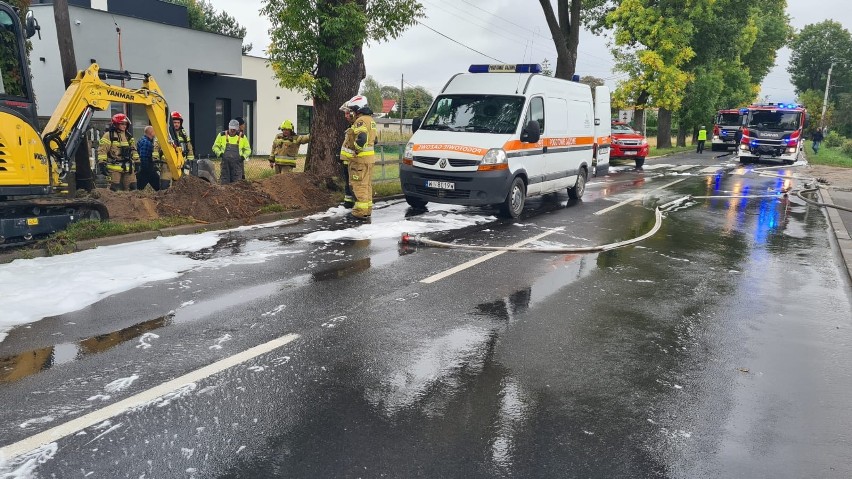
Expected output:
(844, 240)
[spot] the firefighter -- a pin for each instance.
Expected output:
(233, 148)
(346, 154)
(360, 142)
(702, 137)
(183, 142)
(117, 154)
(285, 147)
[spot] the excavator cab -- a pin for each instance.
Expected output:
(16, 92)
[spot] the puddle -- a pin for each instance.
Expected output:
(19, 366)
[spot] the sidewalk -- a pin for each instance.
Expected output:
(841, 222)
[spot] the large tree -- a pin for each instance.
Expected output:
(652, 44)
(317, 48)
(815, 48)
(564, 25)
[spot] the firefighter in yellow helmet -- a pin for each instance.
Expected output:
(117, 154)
(359, 144)
(285, 147)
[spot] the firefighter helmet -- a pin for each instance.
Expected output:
(176, 116)
(119, 118)
(356, 103)
(287, 125)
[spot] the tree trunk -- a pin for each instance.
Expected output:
(681, 134)
(566, 34)
(664, 128)
(639, 112)
(328, 124)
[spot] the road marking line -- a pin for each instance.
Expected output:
(95, 417)
(636, 197)
(474, 262)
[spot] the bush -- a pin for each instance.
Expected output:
(847, 147)
(833, 140)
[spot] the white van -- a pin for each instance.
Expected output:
(503, 132)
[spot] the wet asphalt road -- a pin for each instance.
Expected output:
(717, 348)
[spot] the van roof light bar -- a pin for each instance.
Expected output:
(506, 68)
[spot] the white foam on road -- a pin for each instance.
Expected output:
(32, 289)
(425, 223)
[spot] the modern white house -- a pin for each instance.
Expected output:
(274, 105)
(203, 75)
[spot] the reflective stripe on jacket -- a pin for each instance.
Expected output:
(362, 137)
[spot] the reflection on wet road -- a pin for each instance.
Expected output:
(716, 348)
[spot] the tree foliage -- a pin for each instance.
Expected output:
(693, 57)
(372, 89)
(416, 99)
(814, 49)
(308, 33)
(203, 16)
(317, 48)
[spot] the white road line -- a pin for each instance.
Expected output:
(636, 197)
(55, 433)
(474, 262)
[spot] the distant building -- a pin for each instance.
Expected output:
(394, 125)
(388, 106)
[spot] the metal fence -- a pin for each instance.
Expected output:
(386, 169)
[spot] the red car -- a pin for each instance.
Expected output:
(627, 142)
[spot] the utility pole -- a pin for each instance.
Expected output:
(401, 100)
(825, 98)
(82, 176)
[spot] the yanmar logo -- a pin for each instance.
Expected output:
(126, 96)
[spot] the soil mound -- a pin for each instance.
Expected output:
(195, 198)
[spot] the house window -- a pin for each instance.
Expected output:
(304, 115)
(248, 108)
(223, 113)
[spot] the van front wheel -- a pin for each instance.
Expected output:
(576, 191)
(514, 204)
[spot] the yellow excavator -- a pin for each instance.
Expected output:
(37, 170)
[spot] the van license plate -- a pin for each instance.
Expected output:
(441, 185)
(629, 153)
(32, 221)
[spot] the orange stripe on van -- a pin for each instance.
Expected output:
(515, 145)
(471, 150)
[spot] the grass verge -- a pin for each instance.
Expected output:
(65, 241)
(654, 151)
(830, 157)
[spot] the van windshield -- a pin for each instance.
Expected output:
(475, 113)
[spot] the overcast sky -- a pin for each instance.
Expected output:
(508, 31)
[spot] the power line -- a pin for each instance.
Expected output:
(460, 43)
(508, 21)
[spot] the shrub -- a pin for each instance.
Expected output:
(847, 147)
(833, 139)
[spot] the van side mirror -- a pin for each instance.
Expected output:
(32, 25)
(531, 133)
(415, 124)
(597, 122)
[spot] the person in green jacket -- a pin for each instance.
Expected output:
(702, 137)
(233, 148)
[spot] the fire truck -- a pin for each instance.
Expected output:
(772, 131)
(725, 128)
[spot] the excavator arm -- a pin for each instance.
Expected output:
(88, 93)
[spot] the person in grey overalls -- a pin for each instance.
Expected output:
(233, 148)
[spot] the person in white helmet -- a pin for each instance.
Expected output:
(358, 149)
(233, 148)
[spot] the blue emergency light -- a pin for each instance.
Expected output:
(505, 68)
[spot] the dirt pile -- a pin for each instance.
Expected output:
(195, 198)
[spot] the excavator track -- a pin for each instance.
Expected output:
(24, 220)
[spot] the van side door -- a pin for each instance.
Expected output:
(530, 157)
(560, 160)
